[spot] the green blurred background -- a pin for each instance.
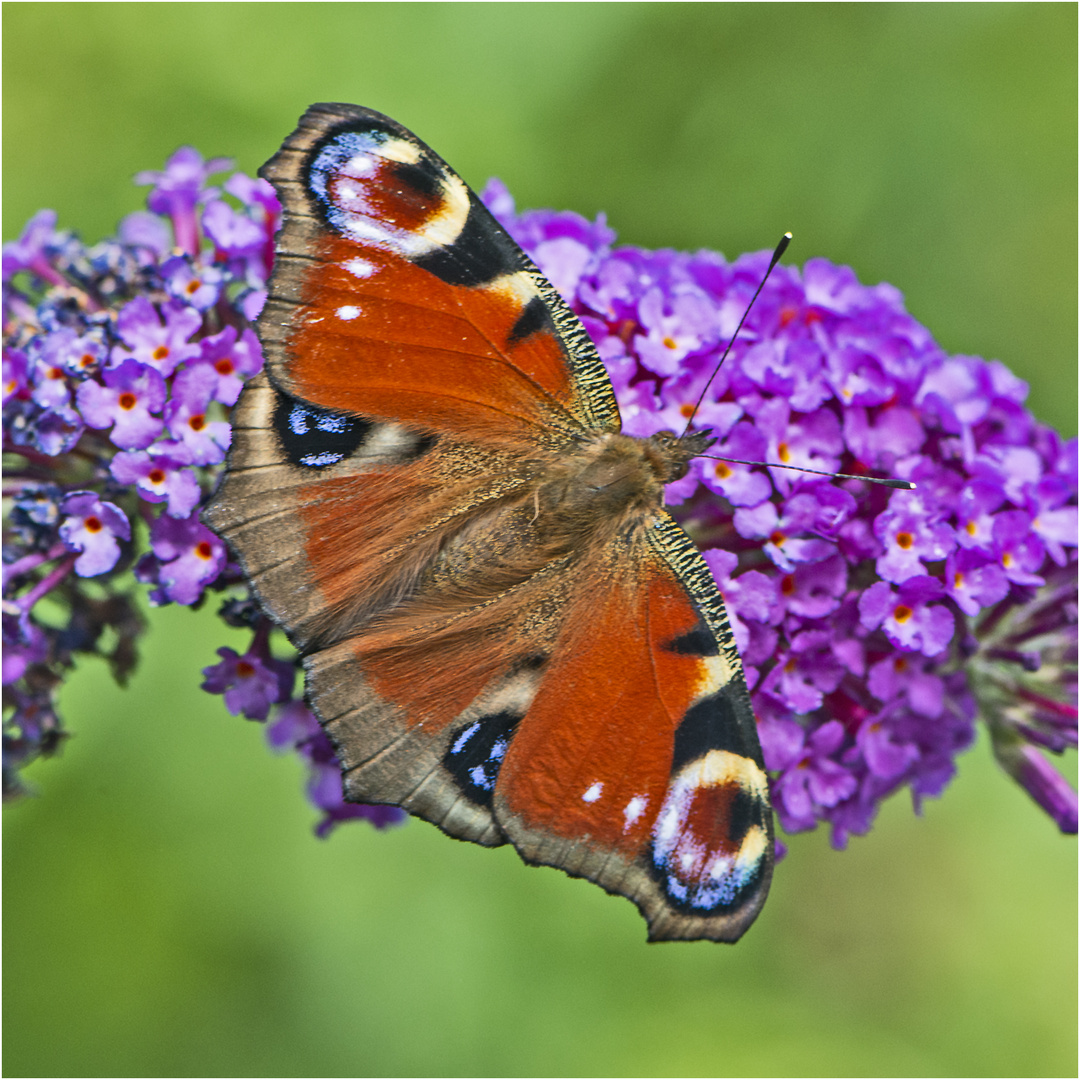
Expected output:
(167, 909)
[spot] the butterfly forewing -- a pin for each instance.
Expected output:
(401, 297)
(503, 631)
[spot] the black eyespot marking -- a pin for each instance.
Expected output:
(533, 318)
(316, 437)
(481, 253)
(476, 753)
(423, 444)
(746, 811)
(697, 642)
(712, 724)
(423, 176)
(531, 662)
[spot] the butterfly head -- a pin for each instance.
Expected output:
(674, 452)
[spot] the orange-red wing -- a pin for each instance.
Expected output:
(637, 764)
(397, 296)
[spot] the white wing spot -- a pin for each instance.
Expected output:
(359, 268)
(347, 312)
(634, 809)
(593, 793)
(359, 165)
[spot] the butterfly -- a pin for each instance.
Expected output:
(503, 630)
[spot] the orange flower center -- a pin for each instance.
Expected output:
(161, 352)
(127, 401)
(669, 343)
(197, 422)
(904, 540)
(156, 476)
(783, 453)
(723, 470)
(224, 366)
(204, 550)
(93, 524)
(787, 584)
(777, 537)
(244, 669)
(901, 613)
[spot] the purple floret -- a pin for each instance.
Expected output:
(190, 557)
(160, 475)
(250, 683)
(127, 400)
(156, 338)
(205, 440)
(94, 528)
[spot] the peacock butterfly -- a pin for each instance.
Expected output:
(503, 630)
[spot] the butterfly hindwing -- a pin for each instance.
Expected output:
(639, 766)
(502, 630)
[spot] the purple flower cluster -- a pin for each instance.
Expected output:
(120, 364)
(876, 625)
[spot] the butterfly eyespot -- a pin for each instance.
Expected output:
(476, 753)
(700, 871)
(315, 438)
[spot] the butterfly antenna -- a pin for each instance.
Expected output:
(780, 249)
(903, 485)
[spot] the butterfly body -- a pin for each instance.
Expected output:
(504, 630)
